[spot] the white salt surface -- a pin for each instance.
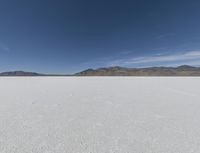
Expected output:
(99, 115)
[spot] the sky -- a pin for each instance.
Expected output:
(68, 36)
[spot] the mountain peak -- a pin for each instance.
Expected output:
(186, 67)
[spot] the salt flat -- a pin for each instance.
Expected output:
(99, 115)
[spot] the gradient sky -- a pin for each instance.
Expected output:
(66, 36)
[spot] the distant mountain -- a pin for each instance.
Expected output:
(20, 73)
(184, 70)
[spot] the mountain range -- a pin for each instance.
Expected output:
(184, 70)
(20, 73)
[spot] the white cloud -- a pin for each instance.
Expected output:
(158, 59)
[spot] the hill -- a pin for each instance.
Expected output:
(20, 73)
(183, 70)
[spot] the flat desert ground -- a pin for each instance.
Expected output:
(99, 115)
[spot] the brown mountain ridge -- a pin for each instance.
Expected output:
(184, 70)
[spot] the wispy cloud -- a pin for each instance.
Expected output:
(4, 48)
(182, 58)
(166, 35)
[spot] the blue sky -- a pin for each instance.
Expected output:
(67, 36)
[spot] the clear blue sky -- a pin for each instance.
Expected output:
(66, 36)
